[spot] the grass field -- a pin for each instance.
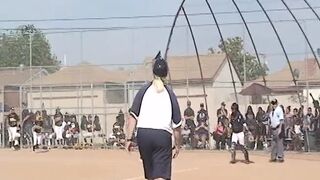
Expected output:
(58, 164)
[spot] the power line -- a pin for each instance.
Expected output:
(103, 29)
(62, 30)
(145, 16)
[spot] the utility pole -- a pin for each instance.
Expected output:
(30, 67)
(244, 58)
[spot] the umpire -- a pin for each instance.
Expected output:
(155, 111)
(277, 132)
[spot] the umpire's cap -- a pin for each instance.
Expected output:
(160, 66)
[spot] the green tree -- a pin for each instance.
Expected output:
(234, 47)
(15, 48)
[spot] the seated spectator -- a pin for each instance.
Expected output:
(189, 117)
(117, 137)
(87, 126)
(202, 115)
(72, 131)
(219, 135)
(186, 135)
(201, 134)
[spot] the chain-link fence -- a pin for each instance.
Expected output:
(104, 90)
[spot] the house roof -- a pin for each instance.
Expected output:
(84, 73)
(306, 71)
(184, 67)
(181, 68)
(16, 76)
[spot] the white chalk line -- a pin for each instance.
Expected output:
(175, 172)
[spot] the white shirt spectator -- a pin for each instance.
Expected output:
(276, 117)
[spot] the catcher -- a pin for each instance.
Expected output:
(237, 124)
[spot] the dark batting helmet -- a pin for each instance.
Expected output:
(160, 66)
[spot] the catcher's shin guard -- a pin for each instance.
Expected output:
(245, 153)
(233, 153)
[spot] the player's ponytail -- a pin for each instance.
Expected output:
(158, 84)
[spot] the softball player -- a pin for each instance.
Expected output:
(37, 131)
(58, 126)
(13, 123)
(237, 124)
(156, 111)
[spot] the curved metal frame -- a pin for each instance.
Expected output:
(181, 7)
(252, 41)
(282, 47)
(170, 36)
(314, 12)
(197, 53)
(224, 47)
(303, 33)
(195, 46)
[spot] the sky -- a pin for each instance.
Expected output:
(132, 46)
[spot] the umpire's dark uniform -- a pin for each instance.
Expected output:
(157, 113)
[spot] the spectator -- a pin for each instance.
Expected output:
(48, 128)
(261, 130)
(307, 120)
(202, 115)
(219, 135)
(189, 116)
(297, 133)
(307, 127)
(250, 120)
(186, 135)
(295, 112)
(260, 114)
(119, 118)
(301, 112)
(25, 113)
(222, 112)
(288, 123)
(201, 134)
(87, 126)
(313, 118)
(97, 126)
(72, 131)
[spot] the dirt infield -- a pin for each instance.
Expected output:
(120, 165)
